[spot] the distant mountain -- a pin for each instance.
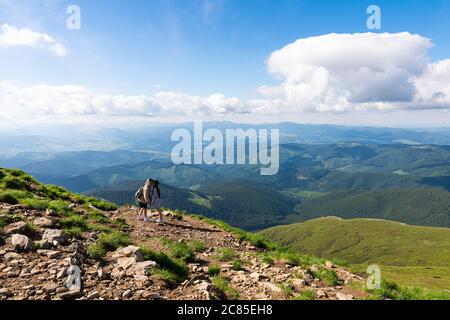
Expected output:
(419, 206)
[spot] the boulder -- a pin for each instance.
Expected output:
(50, 287)
(141, 268)
(298, 284)
(16, 227)
(43, 244)
(321, 294)
(51, 213)
(126, 262)
(21, 242)
(43, 222)
(54, 235)
(129, 251)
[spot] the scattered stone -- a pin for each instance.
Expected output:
(141, 268)
(50, 287)
(16, 227)
(93, 295)
(272, 287)
(329, 265)
(54, 235)
(126, 262)
(70, 295)
(126, 294)
(21, 242)
(43, 222)
(343, 296)
(5, 292)
(321, 294)
(43, 244)
(51, 213)
(129, 251)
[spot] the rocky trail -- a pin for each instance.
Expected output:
(39, 260)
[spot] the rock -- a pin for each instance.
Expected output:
(204, 286)
(321, 294)
(126, 294)
(73, 281)
(54, 235)
(272, 287)
(314, 268)
(70, 295)
(329, 265)
(50, 287)
(5, 292)
(255, 276)
(343, 296)
(126, 262)
(76, 259)
(2, 241)
(298, 284)
(16, 227)
(21, 242)
(51, 213)
(11, 256)
(93, 295)
(141, 268)
(43, 244)
(43, 222)
(130, 251)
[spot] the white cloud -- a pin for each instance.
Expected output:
(334, 73)
(345, 72)
(11, 36)
(70, 100)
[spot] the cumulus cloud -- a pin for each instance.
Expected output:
(344, 72)
(333, 73)
(71, 100)
(11, 36)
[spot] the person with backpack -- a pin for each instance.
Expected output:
(143, 198)
(155, 200)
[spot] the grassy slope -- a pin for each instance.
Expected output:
(407, 251)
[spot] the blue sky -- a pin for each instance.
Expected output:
(197, 47)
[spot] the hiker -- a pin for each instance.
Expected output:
(155, 200)
(143, 198)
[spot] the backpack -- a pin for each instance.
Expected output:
(142, 195)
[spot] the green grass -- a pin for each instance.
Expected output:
(35, 203)
(237, 265)
(97, 216)
(408, 255)
(390, 290)
(214, 270)
(223, 285)
(179, 250)
(305, 295)
(226, 254)
(328, 276)
(108, 242)
(198, 245)
(167, 265)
